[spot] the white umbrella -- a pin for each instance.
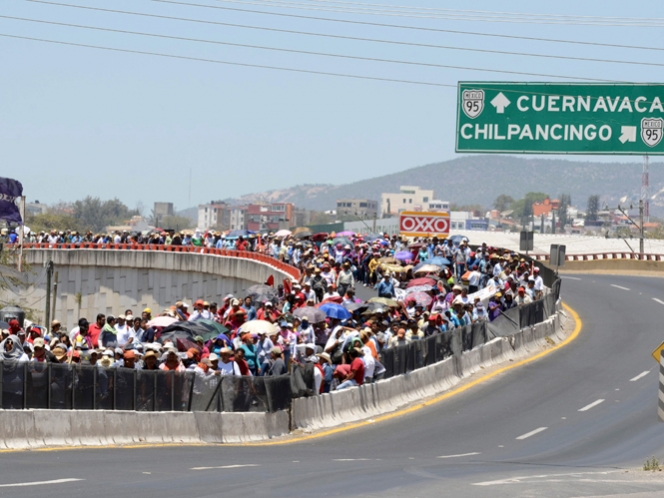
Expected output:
(283, 233)
(259, 327)
(162, 321)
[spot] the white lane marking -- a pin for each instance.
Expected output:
(569, 278)
(226, 467)
(518, 479)
(641, 375)
(461, 455)
(619, 287)
(351, 459)
(658, 300)
(532, 433)
(39, 483)
(591, 405)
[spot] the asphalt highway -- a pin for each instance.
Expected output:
(576, 423)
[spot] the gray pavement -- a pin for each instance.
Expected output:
(577, 423)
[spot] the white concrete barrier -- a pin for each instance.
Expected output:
(358, 403)
(24, 429)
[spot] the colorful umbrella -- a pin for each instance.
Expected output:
(428, 268)
(421, 298)
(421, 281)
(346, 233)
(385, 301)
(404, 256)
(336, 311)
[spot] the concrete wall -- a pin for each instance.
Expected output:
(371, 400)
(111, 281)
(27, 429)
(611, 265)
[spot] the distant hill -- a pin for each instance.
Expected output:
(480, 179)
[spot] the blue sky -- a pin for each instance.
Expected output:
(76, 121)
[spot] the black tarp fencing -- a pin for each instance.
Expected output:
(85, 387)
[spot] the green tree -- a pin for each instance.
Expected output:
(94, 214)
(52, 221)
(593, 208)
(523, 208)
(503, 202)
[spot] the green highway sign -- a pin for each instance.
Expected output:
(560, 118)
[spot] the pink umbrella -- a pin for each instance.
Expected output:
(421, 298)
(161, 321)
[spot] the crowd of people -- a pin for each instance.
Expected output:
(414, 289)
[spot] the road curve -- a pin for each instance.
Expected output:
(570, 424)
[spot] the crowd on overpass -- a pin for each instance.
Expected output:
(424, 287)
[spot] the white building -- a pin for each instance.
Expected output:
(237, 218)
(438, 206)
(408, 199)
(210, 215)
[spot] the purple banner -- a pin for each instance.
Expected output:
(10, 190)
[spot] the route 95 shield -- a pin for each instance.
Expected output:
(651, 131)
(473, 102)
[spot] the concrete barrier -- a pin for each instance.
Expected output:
(358, 403)
(660, 396)
(26, 429)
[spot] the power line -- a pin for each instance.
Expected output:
(377, 40)
(304, 52)
(347, 21)
(491, 19)
(229, 63)
(438, 9)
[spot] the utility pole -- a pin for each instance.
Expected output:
(637, 225)
(641, 209)
(55, 296)
(49, 276)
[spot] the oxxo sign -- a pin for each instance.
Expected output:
(418, 224)
(559, 118)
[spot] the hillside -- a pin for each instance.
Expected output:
(480, 179)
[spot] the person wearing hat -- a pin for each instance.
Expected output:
(325, 363)
(173, 362)
(331, 292)
(226, 365)
(277, 365)
(40, 354)
(479, 312)
(107, 359)
(522, 298)
(200, 313)
(150, 361)
(345, 279)
(385, 287)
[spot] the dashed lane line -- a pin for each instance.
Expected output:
(591, 405)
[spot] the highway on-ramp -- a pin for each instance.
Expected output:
(577, 422)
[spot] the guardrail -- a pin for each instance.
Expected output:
(249, 255)
(603, 256)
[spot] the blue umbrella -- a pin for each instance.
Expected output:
(335, 311)
(456, 239)
(438, 261)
